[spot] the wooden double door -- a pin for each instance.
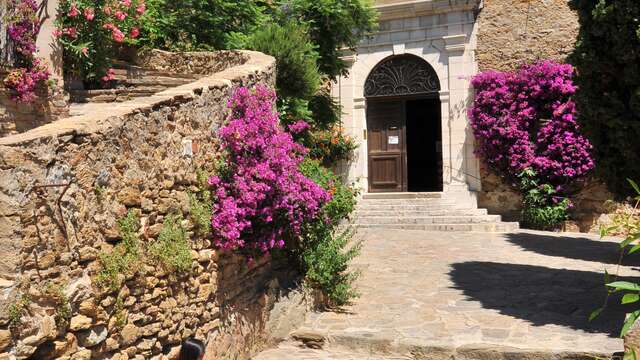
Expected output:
(387, 140)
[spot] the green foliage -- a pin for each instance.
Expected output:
(122, 259)
(119, 313)
(607, 60)
(324, 252)
(326, 258)
(542, 209)
(190, 25)
(333, 26)
(172, 247)
(295, 55)
(200, 206)
(629, 227)
(17, 309)
(343, 198)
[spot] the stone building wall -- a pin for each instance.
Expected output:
(511, 32)
(63, 187)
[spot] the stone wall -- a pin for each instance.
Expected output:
(63, 187)
(514, 31)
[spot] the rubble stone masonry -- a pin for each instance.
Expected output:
(63, 187)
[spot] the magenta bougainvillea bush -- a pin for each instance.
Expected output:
(526, 119)
(261, 197)
(30, 74)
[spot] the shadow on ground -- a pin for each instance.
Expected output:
(541, 295)
(580, 248)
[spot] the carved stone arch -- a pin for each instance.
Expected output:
(401, 75)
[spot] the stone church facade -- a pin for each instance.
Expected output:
(406, 96)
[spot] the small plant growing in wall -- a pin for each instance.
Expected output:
(200, 205)
(120, 261)
(62, 306)
(172, 247)
(17, 310)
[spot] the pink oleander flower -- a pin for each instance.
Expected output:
(134, 32)
(117, 35)
(89, 14)
(72, 32)
(125, 3)
(85, 51)
(73, 11)
(57, 33)
(141, 8)
(120, 15)
(109, 76)
(107, 10)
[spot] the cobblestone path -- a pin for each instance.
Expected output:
(432, 295)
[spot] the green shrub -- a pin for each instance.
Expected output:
(295, 55)
(607, 61)
(324, 252)
(124, 256)
(172, 247)
(333, 26)
(189, 25)
(326, 257)
(542, 208)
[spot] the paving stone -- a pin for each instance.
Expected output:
(521, 295)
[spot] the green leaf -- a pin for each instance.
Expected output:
(634, 185)
(630, 298)
(628, 323)
(607, 277)
(624, 285)
(630, 355)
(634, 249)
(595, 313)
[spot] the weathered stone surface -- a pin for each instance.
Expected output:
(511, 32)
(92, 337)
(129, 334)
(5, 339)
(80, 322)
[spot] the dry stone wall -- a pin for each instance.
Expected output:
(63, 188)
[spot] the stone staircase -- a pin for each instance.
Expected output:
(131, 81)
(427, 211)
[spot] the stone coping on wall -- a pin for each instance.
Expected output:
(108, 115)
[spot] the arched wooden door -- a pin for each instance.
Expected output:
(388, 87)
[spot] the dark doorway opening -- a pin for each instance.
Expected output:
(424, 145)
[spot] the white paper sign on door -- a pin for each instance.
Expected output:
(393, 140)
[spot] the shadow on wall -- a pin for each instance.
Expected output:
(583, 248)
(541, 295)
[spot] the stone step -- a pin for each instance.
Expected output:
(422, 213)
(165, 81)
(479, 227)
(403, 195)
(390, 220)
(425, 201)
(411, 207)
